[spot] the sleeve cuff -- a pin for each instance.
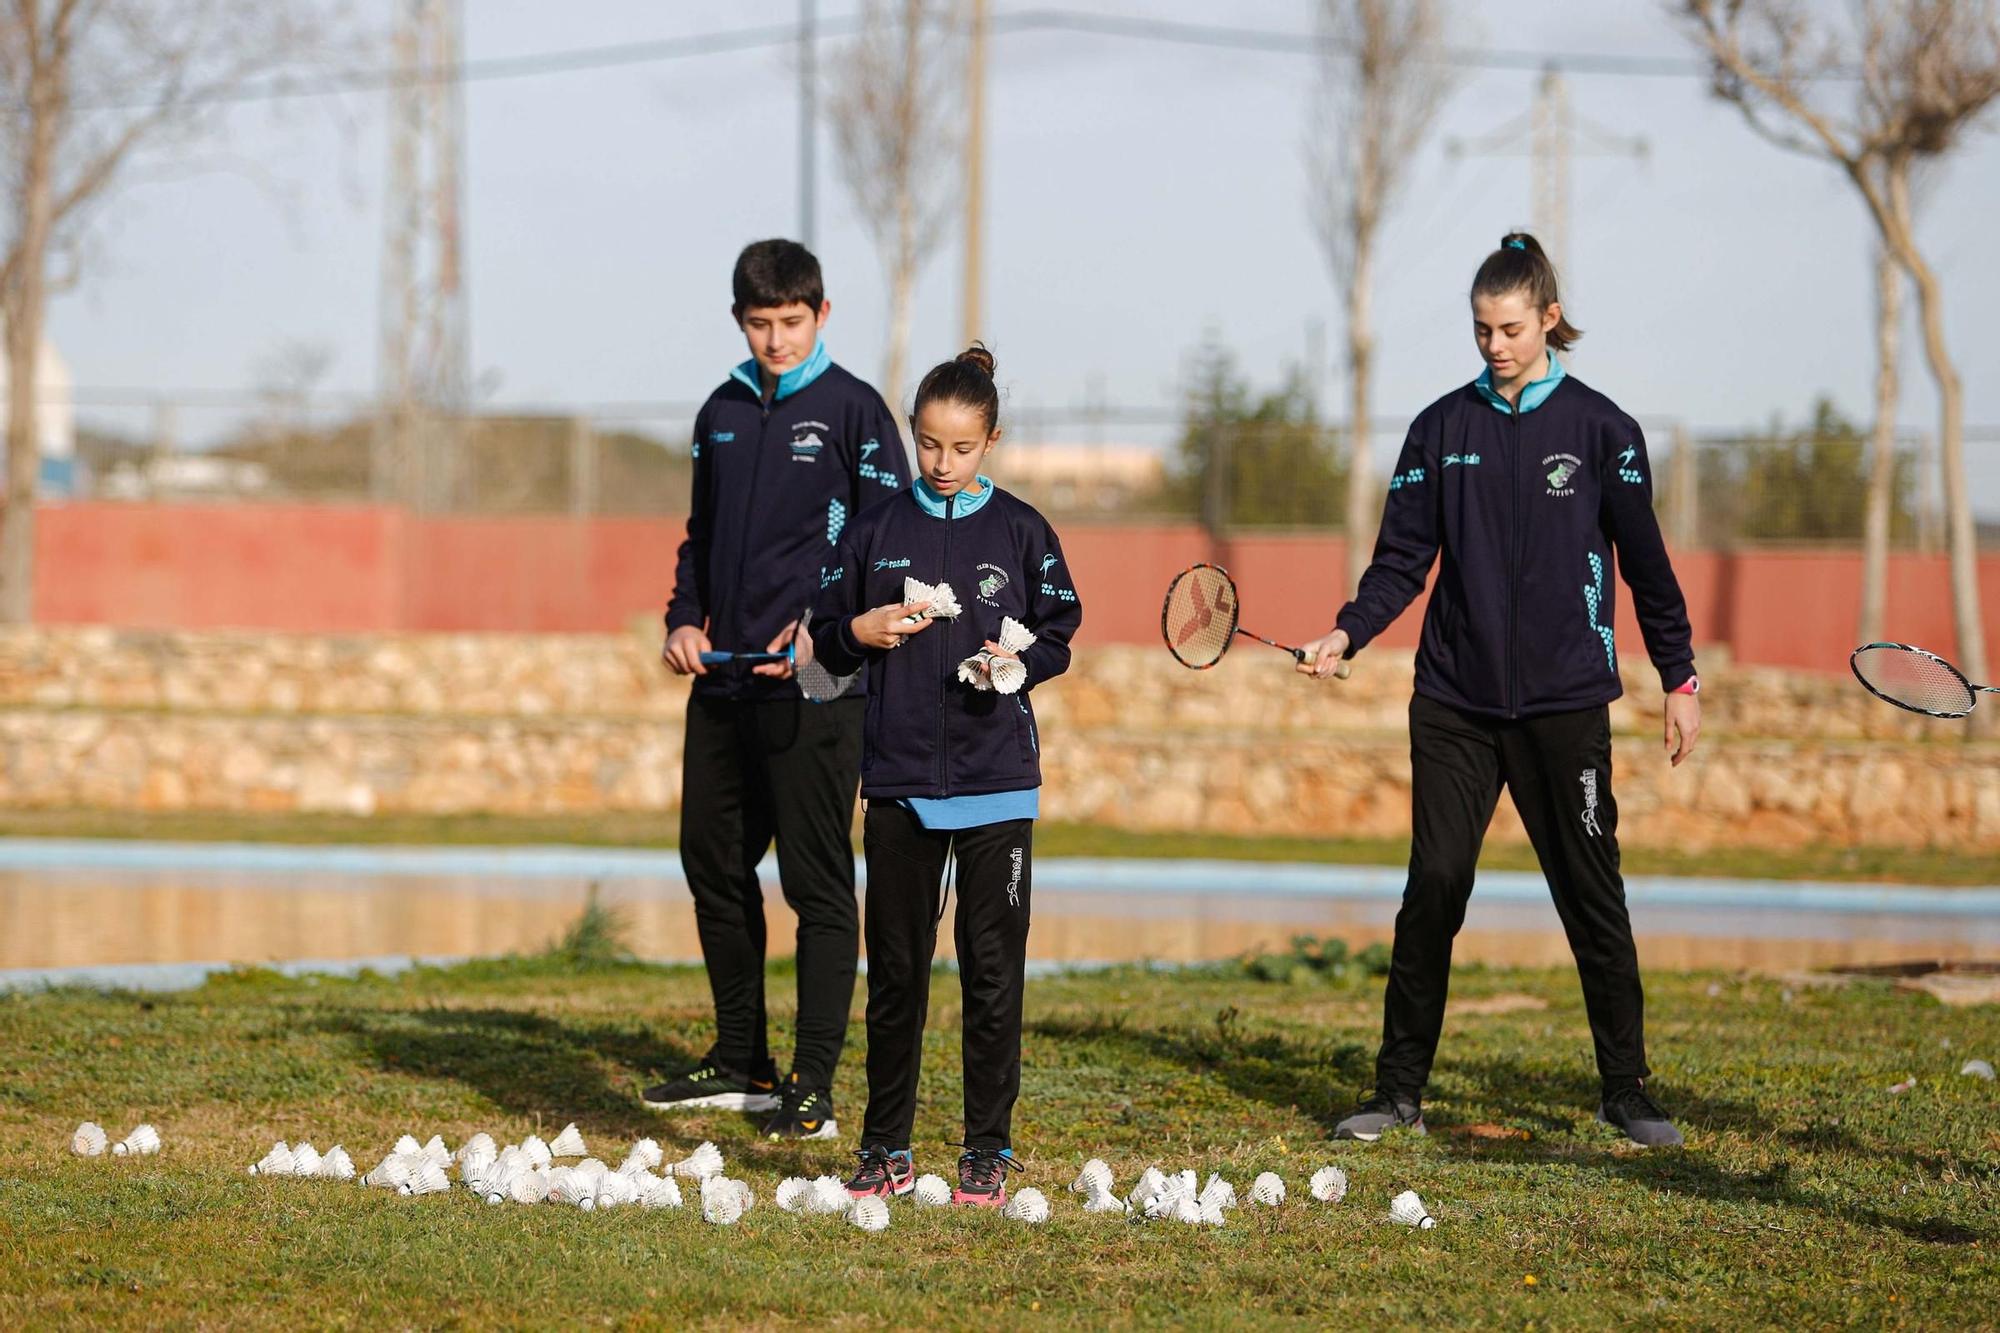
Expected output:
(1679, 679)
(1358, 636)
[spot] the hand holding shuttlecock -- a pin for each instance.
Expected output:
(942, 602)
(998, 666)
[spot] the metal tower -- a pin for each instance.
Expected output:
(425, 366)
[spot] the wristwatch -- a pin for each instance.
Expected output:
(1692, 685)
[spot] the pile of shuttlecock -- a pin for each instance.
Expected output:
(304, 1161)
(941, 603)
(988, 670)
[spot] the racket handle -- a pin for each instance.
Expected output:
(716, 658)
(1341, 671)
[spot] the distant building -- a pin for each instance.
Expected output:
(1075, 477)
(61, 475)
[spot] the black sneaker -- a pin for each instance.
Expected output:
(803, 1113)
(1379, 1112)
(982, 1177)
(883, 1173)
(716, 1087)
(1639, 1116)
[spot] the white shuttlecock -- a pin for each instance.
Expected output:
(943, 601)
(664, 1193)
(1329, 1184)
(647, 1153)
(336, 1165)
(829, 1195)
(88, 1141)
(537, 1151)
(407, 1144)
(529, 1186)
(1187, 1211)
(1104, 1201)
(565, 1186)
(569, 1143)
(305, 1160)
(932, 1191)
(429, 1178)
(392, 1172)
(1217, 1192)
(1268, 1189)
(141, 1142)
(476, 1158)
(1149, 1185)
(1095, 1178)
(479, 1145)
(436, 1151)
(793, 1191)
(1187, 1184)
(1211, 1215)
(715, 1187)
(870, 1213)
(703, 1162)
(615, 1191)
(1406, 1209)
(277, 1162)
(723, 1208)
(1976, 1069)
(1028, 1206)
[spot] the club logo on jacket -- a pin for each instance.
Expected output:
(1562, 469)
(992, 579)
(806, 441)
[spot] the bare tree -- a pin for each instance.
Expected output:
(1928, 70)
(893, 107)
(1889, 281)
(1381, 85)
(93, 87)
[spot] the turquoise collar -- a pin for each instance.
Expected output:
(1533, 396)
(792, 380)
(933, 504)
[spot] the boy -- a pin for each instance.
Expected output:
(785, 453)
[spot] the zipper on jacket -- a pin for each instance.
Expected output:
(1514, 558)
(756, 470)
(944, 573)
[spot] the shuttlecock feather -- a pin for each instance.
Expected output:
(723, 1208)
(647, 1153)
(1187, 1211)
(829, 1195)
(569, 1143)
(1218, 1192)
(305, 1160)
(1104, 1201)
(529, 1186)
(1029, 1205)
(537, 1151)
(1211, 1214)
(943, 601)
(479, 1145)
(1406, 1209)
(703, 1162)
(1976, 1069)
(88, 1141)
(565, 1186)
(664, 1193)
(428, 1178)
(143, 1141)
(407, 1144)
(870, 1213)
(932, 1191)
(336, 1165)
(277, 1162)
(615, 1190)
(1329, 1184)
(1268, 1189)
(436, 1151)
(1095, 1178)
(793, 1191)
(1149, 1185)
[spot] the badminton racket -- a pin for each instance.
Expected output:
(1909, 677)
(1199, 620)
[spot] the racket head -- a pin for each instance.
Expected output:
(1912, 678)
(1198, 618)
(816, 684)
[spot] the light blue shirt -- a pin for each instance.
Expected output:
(789, 383)
(1533, 396)
(962, 812)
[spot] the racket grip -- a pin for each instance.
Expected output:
(1341, 671)
(716, 658)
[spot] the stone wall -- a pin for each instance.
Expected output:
(569, 724)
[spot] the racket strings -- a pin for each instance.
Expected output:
(1200, 616)
(1914, 679)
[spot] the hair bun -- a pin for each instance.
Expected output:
(977, 356)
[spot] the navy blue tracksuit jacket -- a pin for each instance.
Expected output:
(774, 487)
(928, 734)
(1533, 513)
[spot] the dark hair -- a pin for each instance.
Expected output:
(967, 379)
(776, 273)
(1520, 266)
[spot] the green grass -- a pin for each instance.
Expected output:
(1907, 865)
(1808, 1195)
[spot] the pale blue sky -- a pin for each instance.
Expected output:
(1138, 193)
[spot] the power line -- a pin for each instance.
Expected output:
(1128, 27)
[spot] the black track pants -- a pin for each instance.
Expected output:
(1558, 770)
(906, 864)
(751, 771)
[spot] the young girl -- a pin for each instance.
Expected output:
(956, 595)
(1527, 482)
